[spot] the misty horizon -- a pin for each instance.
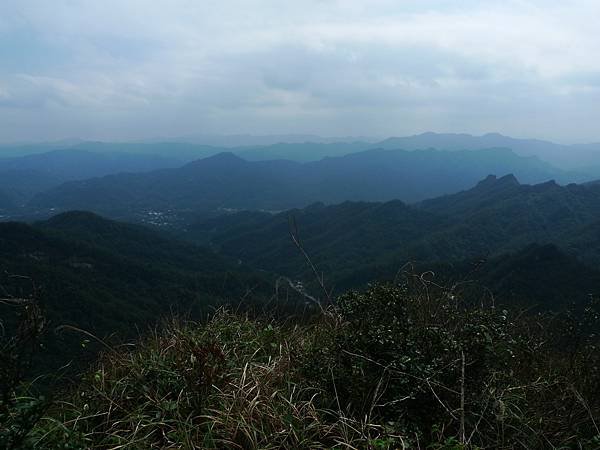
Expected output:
(248, 139)
(124, 71)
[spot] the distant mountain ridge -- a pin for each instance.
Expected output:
(226, 181)
(277, 185)
(74, 164)
(582, 157)
(23, 177)
(574, 157)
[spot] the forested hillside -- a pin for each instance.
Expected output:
(496, 217)
(111, 279)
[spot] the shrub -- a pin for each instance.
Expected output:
(427, 366)
(21, 328)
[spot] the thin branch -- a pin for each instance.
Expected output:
(296, 240)
(463, 439)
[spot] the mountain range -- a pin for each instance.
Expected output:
(499, 216)
(533, 245)
(32, 169)
(583, 158)
(23, 177)
(312, 148)
(228, 182)
(73, 164)
(360, 216)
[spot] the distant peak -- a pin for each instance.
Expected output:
(224, 156)
(509, 179)
(488, 181)
(220, 158)
(76, 218)
(550, 184)
(75, 215)
(493, 180)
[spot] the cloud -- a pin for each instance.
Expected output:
(121, 69)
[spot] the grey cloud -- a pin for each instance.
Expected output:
(132, 68)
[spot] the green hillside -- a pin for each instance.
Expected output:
(348, 241)
(109, 278)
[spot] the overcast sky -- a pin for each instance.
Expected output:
(131, 69)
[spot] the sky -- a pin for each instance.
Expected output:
(143, 69)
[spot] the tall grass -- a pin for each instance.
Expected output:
(392, 367)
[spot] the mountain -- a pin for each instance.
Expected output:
(586, 241)
(501, 215)
(227, 182)
(536, 277)
(245, 140)
(179, 152)
(583, 158)
(485, 193)
(132, 242)
(75, 164)
(107, 277)
(17, 149)
(221, 181)
(339, 237)
(541, 277)
(380, 175)
(573, 157)
(23, 177)
(302, 151)
(20, 185)
(351, 240)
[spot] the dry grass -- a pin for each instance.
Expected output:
(385, 369)
(228, 384)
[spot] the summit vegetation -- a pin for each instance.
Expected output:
(392, 367)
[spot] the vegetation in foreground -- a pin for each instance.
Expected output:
(396, 366)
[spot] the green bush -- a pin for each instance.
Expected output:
(425, 365)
